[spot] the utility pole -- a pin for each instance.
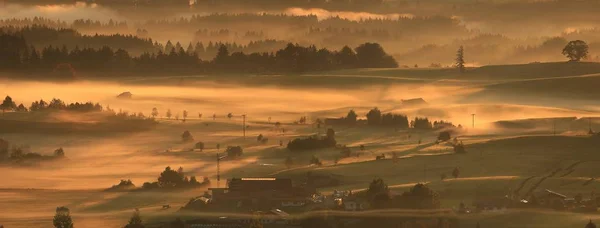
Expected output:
(554, 126)
(590, 125)
(473, 119)
(244, 125)
(218, 171)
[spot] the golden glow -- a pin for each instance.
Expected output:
(259, 179)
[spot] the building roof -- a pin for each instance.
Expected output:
(414, 101)
(260, 184)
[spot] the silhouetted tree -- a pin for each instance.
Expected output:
(154, 112)
(372, 55)
(21, 108)
(590, 225)
(59, 152)
(62, 218)
(460, 59)
(169, 114)
(314, 160)
(377, 186)
(459, 148)
(444, 136)
(222, 55)
(576, 50)
(187, 136)
(374, 117)
(420, 196)
(135, 221)
(455, 172)
(199, 146)
(351, 117)
(170, 178)
(259, 137)
(234, 151)
(185, 115)
(421, 123)
(8, 104)
(229, 115)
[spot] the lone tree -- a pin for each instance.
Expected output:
(199, 146)
(377, 186)
(576, 50)
(8, 104)
(351, 117)
(169, 114)
(229, 115)
(444, 136)
(590, 225)
(59, 152)
(135, 221)
(234, 151)
(187, 136)
(455, 173)
(154, 112)
(460, 59)
(62, 218)
(185, 115)
(374, 116)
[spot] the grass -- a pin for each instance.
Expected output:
(496, 162)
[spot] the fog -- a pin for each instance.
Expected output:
(516, 120)
(64, 12)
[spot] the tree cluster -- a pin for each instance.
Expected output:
(17, 54)
(41, 36)
(313, 142)
(419, 196)
(170, 179)
(62, 218)
(376, 118)
(234, 151)
(421, 123)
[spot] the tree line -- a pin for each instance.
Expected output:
(17, 55)
(41, 36)
(8, 104)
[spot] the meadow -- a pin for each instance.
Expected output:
(530, 120)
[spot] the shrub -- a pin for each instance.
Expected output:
(234, 151)
(199, 146)
(187, 136)
(444, 136)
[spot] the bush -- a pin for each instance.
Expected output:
(187, 136)
(419, 197)
(444, 136)
(170, 178)
(460, 148)
(199, 146)
(377, 186)
(313, 142)
(421, 123)
(315, 161)
(234, 151)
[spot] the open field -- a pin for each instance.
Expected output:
(527, 125)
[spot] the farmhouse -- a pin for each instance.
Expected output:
(261, 193)
(414, 102)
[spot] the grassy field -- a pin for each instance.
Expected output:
(531, 120)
